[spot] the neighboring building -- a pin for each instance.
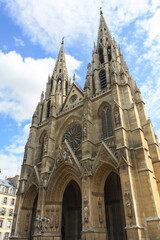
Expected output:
(91, 167)
(7, 205)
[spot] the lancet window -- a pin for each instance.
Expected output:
(109, 53)
(48, 108)
(101, 56)
(107, 128)
(102, 77)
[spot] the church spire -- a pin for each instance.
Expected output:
(103, 31)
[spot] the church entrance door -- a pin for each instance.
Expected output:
(71, 212)
(115, 218)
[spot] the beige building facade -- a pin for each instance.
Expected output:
(91, 167)
(7, 204)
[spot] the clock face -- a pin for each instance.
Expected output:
(73, 98)
(73, 136)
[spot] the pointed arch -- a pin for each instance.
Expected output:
(105, 113)
(43, 143)
(102, 78)
(59, 180)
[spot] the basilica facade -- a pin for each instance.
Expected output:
(91, 167)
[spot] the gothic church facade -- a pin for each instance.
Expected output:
(91, 167)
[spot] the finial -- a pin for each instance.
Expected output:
(42, 97)
(74, 77)
(101, 11)
(62, 40)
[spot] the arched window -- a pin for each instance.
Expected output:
(107, 128)
(101, 56)
(42, 149)
(109, 53)
(43, 146)
(48, 108)
(102, 77)
(51, 85)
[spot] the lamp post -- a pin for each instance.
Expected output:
(41, 224)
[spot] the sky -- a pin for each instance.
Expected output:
(31, 32)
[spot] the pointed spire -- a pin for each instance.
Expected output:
(60, 70)
(103, 31)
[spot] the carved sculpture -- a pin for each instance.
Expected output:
(27, 222)
(86, 210)
(128, 202)
(100, 213)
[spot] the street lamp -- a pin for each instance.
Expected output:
(41, 224)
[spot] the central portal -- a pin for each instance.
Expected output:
(115, 218)
(71, 212)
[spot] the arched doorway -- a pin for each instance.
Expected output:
(114, 210)
(33, 216)
(71, 212)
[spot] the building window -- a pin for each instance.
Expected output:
(10, 212)
(107, 128)
(48, 108)
(6, 190)
(3, 211)
(5, 200)
(6, 236)
(12, 201)
(101, 56)
(102, 77)
(1, 223)
(9, 224)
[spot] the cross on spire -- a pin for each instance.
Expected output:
(101, 10)
(62, 40)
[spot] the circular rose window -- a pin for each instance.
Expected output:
(73, 98)
(73, 136)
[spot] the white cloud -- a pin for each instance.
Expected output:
(46, 22)
(11, 156)
(19, 42)
(23, 80)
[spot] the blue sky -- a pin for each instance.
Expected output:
(31, 33)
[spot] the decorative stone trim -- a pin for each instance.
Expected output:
(153, 219)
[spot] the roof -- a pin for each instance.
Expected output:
(6, 183)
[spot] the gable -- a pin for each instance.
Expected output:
(75, 96)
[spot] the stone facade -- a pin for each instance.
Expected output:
(91, 167)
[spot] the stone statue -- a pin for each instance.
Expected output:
(27, 222)
(128, 202)
(100, 214)
(86, 210)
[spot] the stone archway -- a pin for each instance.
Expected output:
(114, 210)
(71, 212)
(34, 209)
